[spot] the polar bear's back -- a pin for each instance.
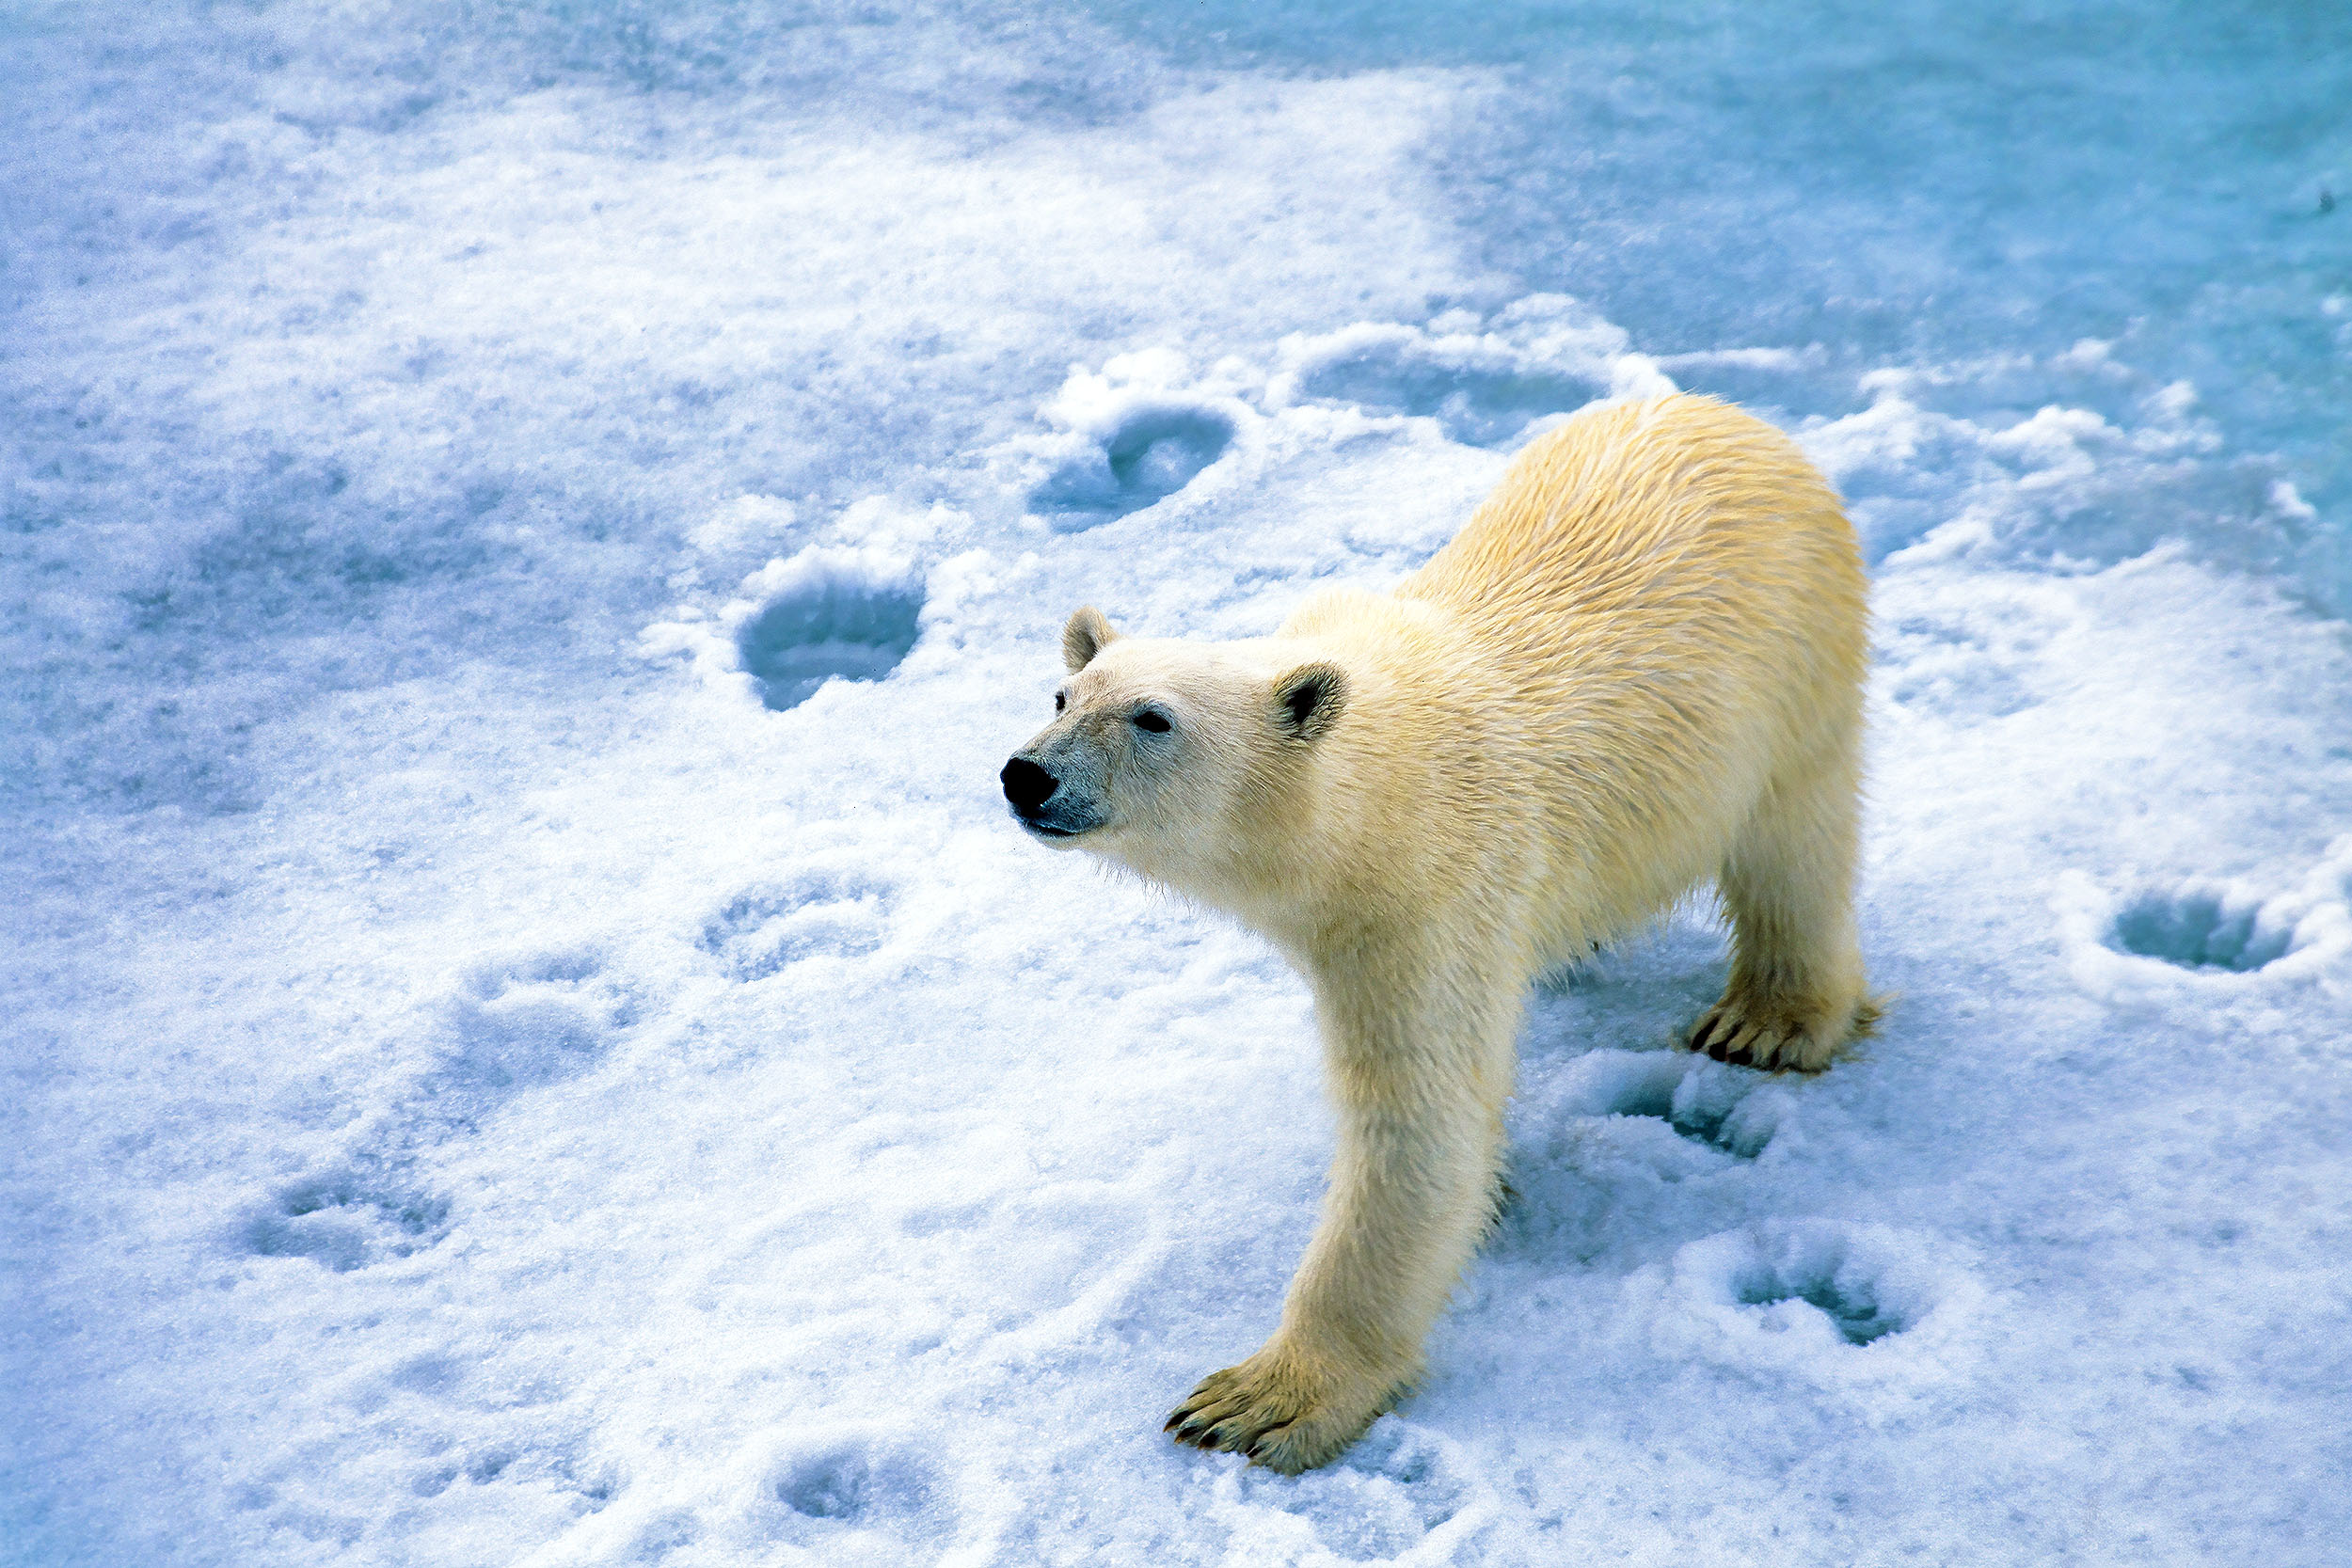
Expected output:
(1673, 600)
(1669, 509)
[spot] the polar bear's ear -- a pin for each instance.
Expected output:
(1307, 702)
(1086, 635)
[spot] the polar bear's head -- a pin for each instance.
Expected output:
(1171, 757)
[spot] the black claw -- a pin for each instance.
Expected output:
(1263, 1443)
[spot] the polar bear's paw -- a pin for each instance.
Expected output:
(1778, 1034)
(1277, 1410)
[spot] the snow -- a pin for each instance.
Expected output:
(529, 530)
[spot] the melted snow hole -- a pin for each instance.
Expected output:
(1477, 403)
(2199, 930)
(1484, 380)
(830, 625)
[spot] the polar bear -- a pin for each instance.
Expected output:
(1639, 667)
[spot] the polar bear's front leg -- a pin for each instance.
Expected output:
(1420, 1094)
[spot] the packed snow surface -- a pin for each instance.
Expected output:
(531, 528)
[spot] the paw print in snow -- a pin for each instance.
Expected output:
(839, 913)
(1129, 438)
(345, 1219)
(2152, 938)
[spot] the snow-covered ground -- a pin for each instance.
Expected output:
(530, 528)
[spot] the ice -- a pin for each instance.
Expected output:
(529, 532)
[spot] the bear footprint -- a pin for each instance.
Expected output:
(1700, 1100)
(1386, 1496)
(1151, 450)
(842, 914)
(532, 1021)
(344, 1220)
(1811, 1294)
(2218, 931)
(851, 1482)
(1850, 1307)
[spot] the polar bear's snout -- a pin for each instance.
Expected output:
(1039, 802)
(1027, 785)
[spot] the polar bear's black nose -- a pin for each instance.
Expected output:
(1027, 785)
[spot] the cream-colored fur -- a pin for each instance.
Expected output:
(1638, 667)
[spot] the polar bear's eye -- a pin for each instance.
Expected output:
(1151, 720)
(1061, 700)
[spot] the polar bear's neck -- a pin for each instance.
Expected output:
(1404, 815)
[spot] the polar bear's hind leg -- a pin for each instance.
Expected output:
(1796, 992)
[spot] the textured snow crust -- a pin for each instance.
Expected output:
(529, 530)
